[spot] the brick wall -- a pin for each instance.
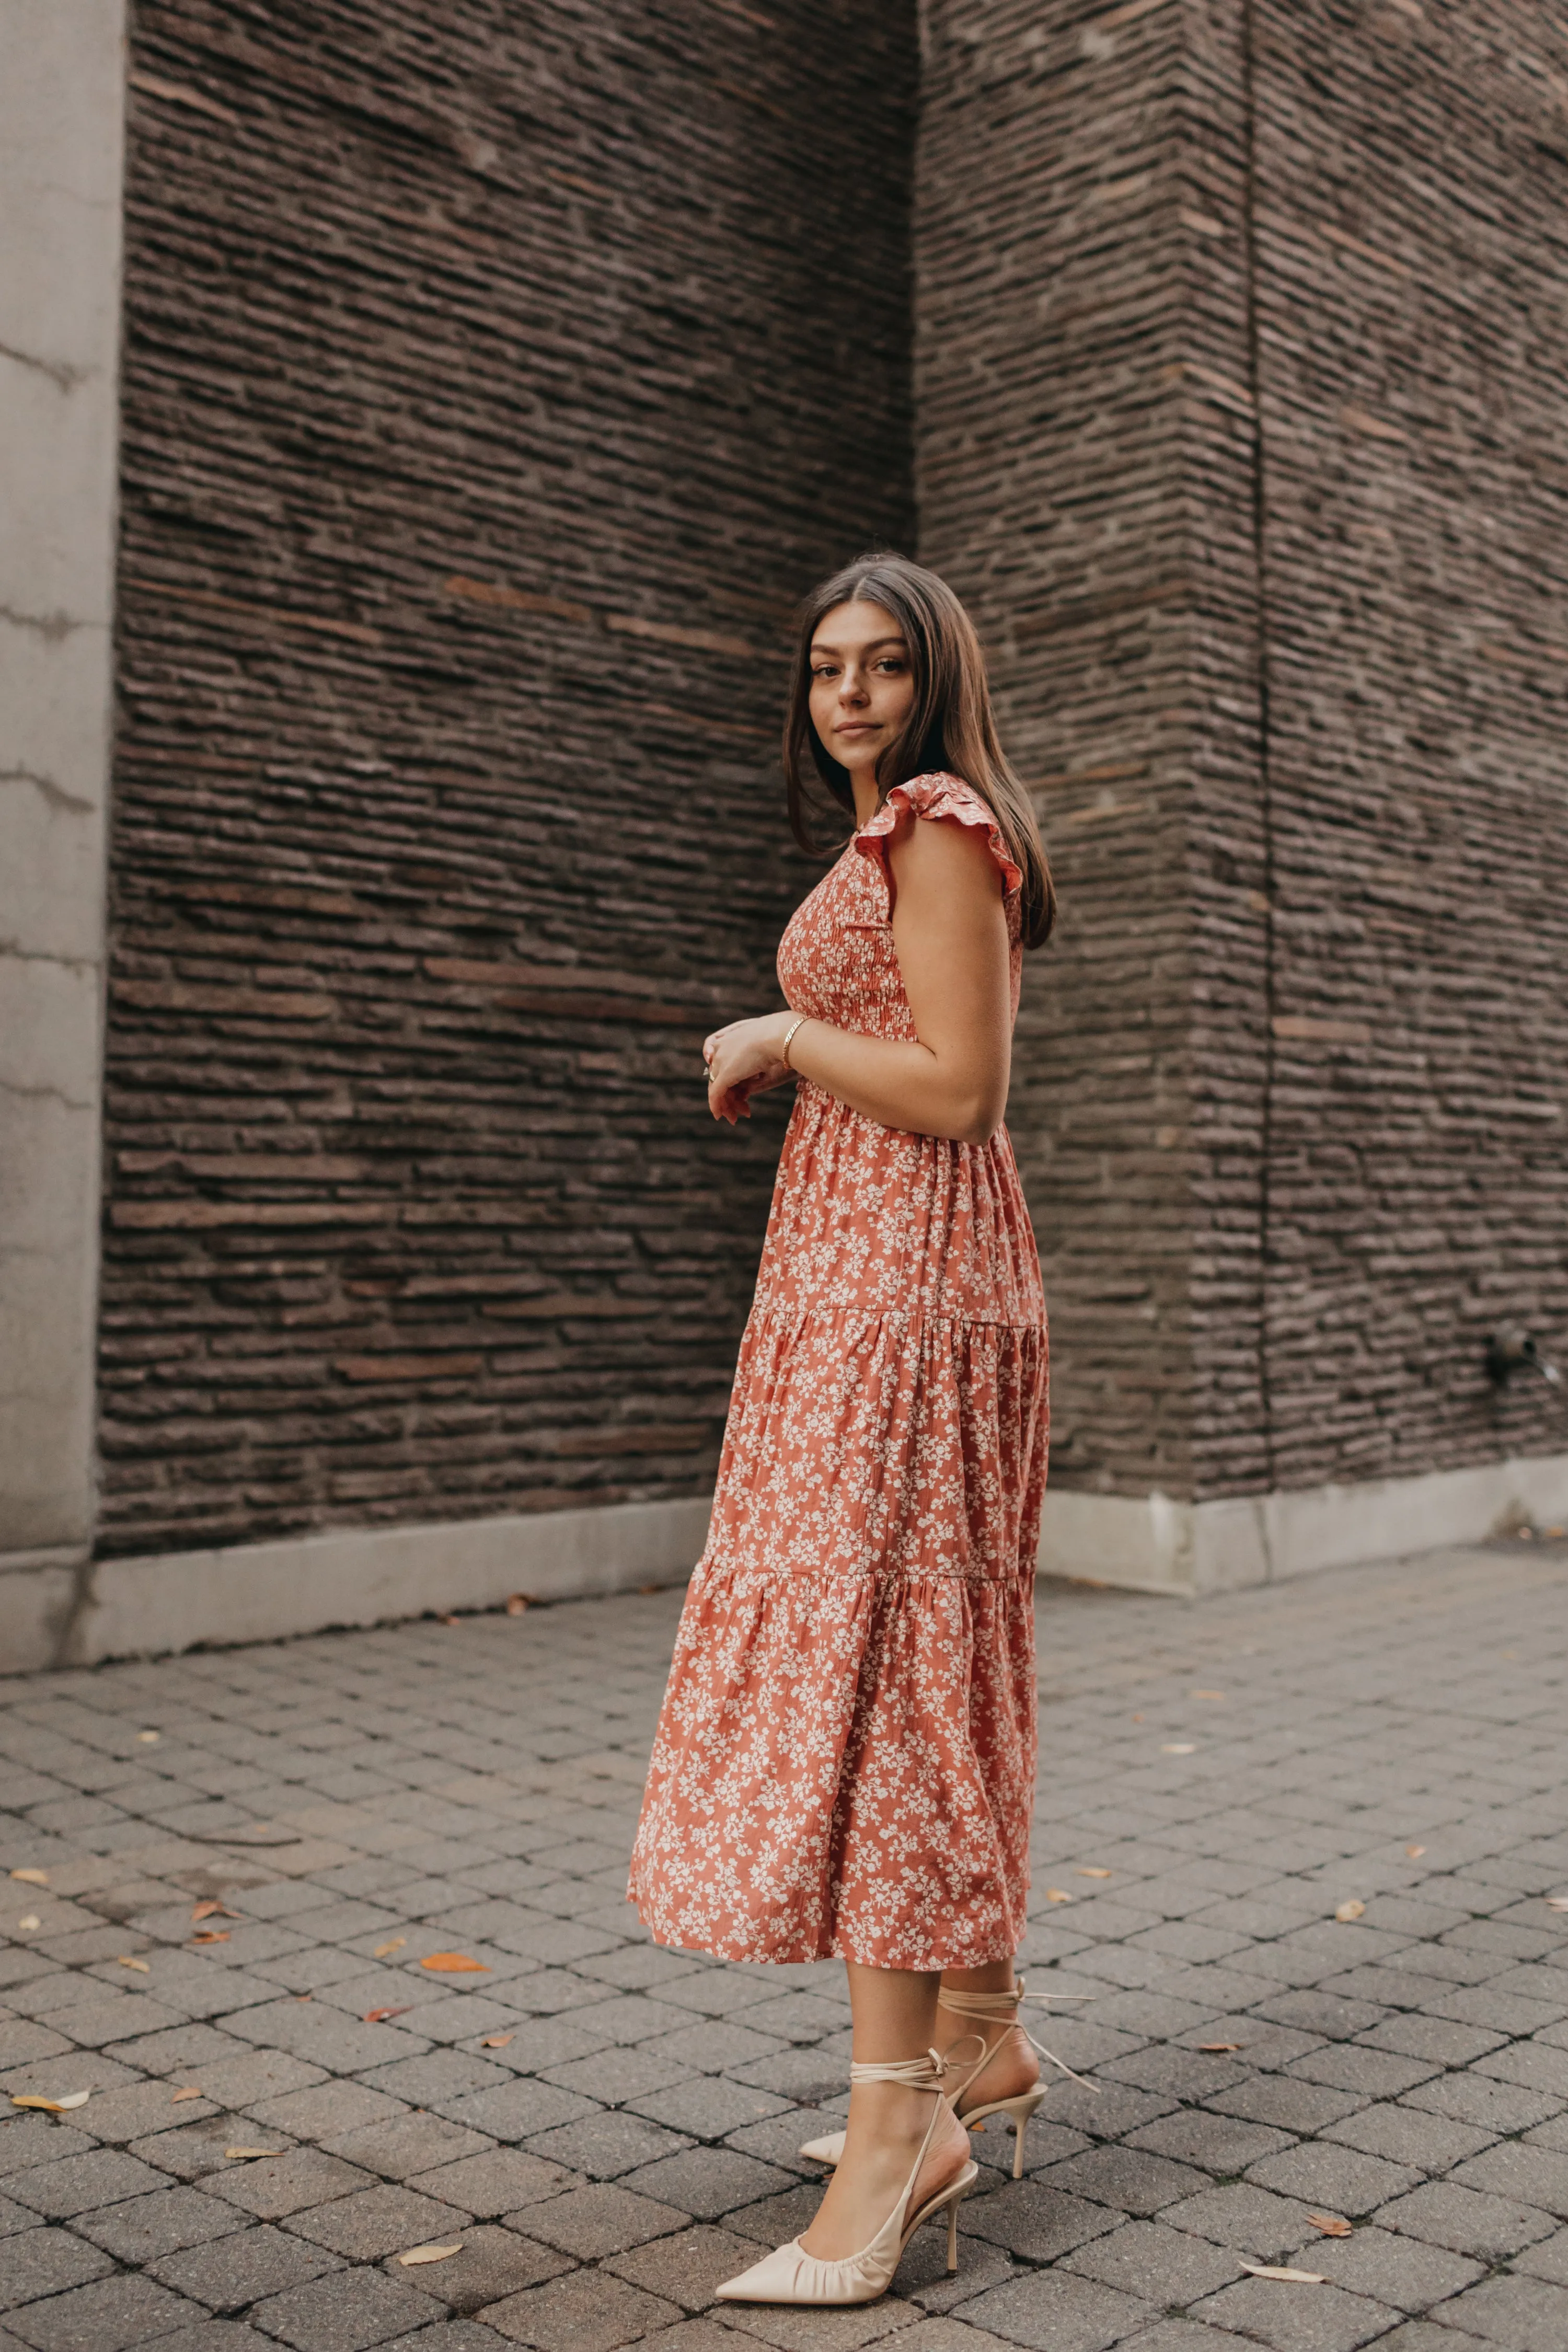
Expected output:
(494, 382)
(1293, 1087)
(1049, 316)
(1380, 891)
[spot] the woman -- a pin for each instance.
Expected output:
(844, 1761)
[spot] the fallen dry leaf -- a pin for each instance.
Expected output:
(1179, 1747)
(1213, 2046)
(453, 1964)
(50, 2106)
(451, 1620)
(645, 1589)
(1332, 2225)
(393, 1944)
(517, 1603)
(1351, 1908)
(1208, 1694)
(30, 1924)
(1414, 1853)
(211, 1935)
(380, 2016)
(148, 1739)
(126, 1961)
(1137, 1718)
(32, 1877)
(1057, 1895)
(210, 1910)
(186, 2091)
(1089, 1870)
(1557, 1902)
(497, 2041)
(429, 2254)
(1275, 2271)
(241, 2152)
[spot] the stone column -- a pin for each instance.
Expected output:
(61, 116)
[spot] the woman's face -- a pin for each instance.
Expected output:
(862, 684)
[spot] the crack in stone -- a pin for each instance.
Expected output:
(56, 794)
(50, 627)
(60, 372)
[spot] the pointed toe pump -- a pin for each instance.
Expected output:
(985, 2008)
(792, 2275)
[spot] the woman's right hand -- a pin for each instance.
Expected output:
(744, 1059)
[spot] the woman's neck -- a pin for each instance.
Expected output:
(868, 798)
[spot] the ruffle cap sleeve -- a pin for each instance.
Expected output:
(939, 796)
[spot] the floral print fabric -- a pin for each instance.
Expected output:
(845, 1761)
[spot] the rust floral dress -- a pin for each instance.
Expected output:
(845, 1761)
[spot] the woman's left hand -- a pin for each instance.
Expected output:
(745, 1059)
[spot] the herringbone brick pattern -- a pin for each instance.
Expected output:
(606, 2130)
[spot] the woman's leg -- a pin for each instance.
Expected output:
(894, 2013)
(1014, 2067)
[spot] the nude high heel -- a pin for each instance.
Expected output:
(986, 2009)
(792, 2275)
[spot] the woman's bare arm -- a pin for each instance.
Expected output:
(950, 931)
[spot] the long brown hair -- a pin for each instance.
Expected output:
(951, 728)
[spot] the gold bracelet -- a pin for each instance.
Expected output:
(789, 1036)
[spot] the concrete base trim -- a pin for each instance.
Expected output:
(56, 1611)
(54, 1616)
(1152, 1543)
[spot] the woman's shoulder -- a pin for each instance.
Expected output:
(940, 795)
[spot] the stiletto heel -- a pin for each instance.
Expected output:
(792, 2275)
(986, 2009)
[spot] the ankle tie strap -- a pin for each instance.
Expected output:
(924, 2074)
(1001, 2008)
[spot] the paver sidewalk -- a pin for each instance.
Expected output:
(1299, 1843)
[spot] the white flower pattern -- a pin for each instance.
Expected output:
(845, 1761)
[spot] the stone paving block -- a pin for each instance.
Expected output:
(1270, 2229)
(1548, 2260)
(133, 2111)
(1127, 2178)
(607, 2145)
(1296, 2318)
(47, 2262)
(326, 2111)
(711, 2107)
(686, 2267)
(406, 2143)
(1520, 2314)
(617, 2077)
(1445, 2214)
(1439, 2039)
(347, 2310)
(272, 2187)
(518, 2110)
(1213, 2143)
(190, 2150)
(775, 2220)
(160, 2223)
(1157, 2265)
(1529, 2175)
(436, 2078)
(599, 2220)
(923, 2279)
(238, 2083)
(707, 2181)
(14, 2217)
(81, 2184)
(107, 2317)
(1408, 2136)
(374, 2222)
(320, 2035)
(1284, 2101)
(229, 2272)
(1404, 2272)
(588, 2311)
(1053, 2311)
(493, 2263)
(22, 2040)
(1032, 2219)
(495, 2181)
(1495, 2107)
(1370, 2073)
(1535, 2064)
